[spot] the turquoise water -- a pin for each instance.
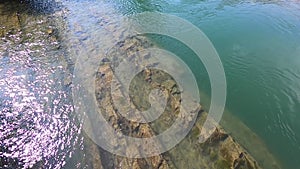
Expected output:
(259, 45)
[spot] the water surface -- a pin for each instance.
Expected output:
(258, 43)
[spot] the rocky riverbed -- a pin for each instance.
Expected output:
(220, 151)
(19, 27)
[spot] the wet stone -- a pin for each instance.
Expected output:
(9, 19)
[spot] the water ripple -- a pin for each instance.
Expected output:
(36, 124)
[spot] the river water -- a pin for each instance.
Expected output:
(258, 43)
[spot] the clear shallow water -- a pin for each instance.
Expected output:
(258, 43)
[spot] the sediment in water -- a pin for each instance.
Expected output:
(219, 151)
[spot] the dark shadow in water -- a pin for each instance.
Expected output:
(33, 7)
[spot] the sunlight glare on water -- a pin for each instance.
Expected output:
(36, 124)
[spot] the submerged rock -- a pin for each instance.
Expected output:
(9, 18)
(219, 151)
